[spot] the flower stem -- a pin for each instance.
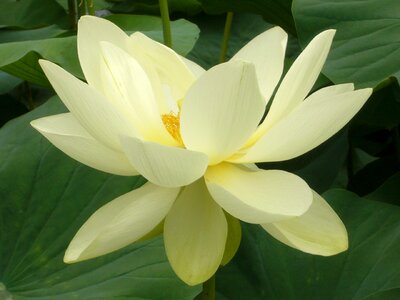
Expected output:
(90, 7)
(209, 289)
(72, 14)
(165, 22)
(81, 7)
(227, 33)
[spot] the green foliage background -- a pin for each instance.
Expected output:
(45, 196)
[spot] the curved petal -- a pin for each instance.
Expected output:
(170, 76)
(315, 121)
(193, 67)
(127, 84)
(267, 52)
(195, 232)
(92, 110)
(221, 110)
(319, 231)
(65, 132)
(258, 196)
(121, 222)
(164, 165)
(91, 31)
(299, 80)
(233, 239)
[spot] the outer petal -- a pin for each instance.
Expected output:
(164, 165)
(103, 121)
(258, 196)
(233, 239)
(267, 52)
(299, 80)
(311, 124)
(169, 75)
(221, 110)
(65, 132)
(127, 84)
(91, 31)
(319, 231)
(195, 233)
(193, 67)
(121, 222)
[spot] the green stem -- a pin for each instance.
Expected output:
(165, 22)
(209, 289)
(227, 33)
(72, 14)
(90, 6)
(81, 7)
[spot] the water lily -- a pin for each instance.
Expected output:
(196, 135)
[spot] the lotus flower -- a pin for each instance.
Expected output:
(196, 135)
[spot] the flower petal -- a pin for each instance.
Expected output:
(192, 66)
(267, 52)
(91, 31)
(168, 72)
(91, 109)
(164, 165)
(65, 132)
(221, 110)
(121, 222)
(195, 232)
(128, 86)
(311, 124)
(258, 196)
(298, 81)
(233, 239)
(319, 231)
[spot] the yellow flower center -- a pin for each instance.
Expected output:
(172, 124)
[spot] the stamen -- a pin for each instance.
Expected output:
(172, 124)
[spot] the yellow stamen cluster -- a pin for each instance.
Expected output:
(172, 124)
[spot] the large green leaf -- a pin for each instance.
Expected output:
(45, 198)
(370, 269)
(21, 58)
(274, 11)
(31, 13)
(366, 47)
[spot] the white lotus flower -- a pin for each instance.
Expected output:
(195, 136)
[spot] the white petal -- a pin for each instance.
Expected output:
(164, 165)
(267, 52)
(91, 109)
(91, 31)
(233, 239)
(164, 67)
(192, 66)
(258, 196)
(65, 132)
(299, 80)
(221, 110)
(195, 233)
(311, 124)
(121, 222)
(332, 90)
(319, 231)
(127, 84)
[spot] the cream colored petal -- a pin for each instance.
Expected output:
(192, 66)
(298, 81)
(221, 110)
(267, 52)
(65, 132)
(195, 232)
(127, 85)
(330, 91)
(233, 239)
(166, 70)
(319, 231)
(164, 165)
(91, 31)
(121, 222)
(311, 124)
(91, 109)
(258, 196)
